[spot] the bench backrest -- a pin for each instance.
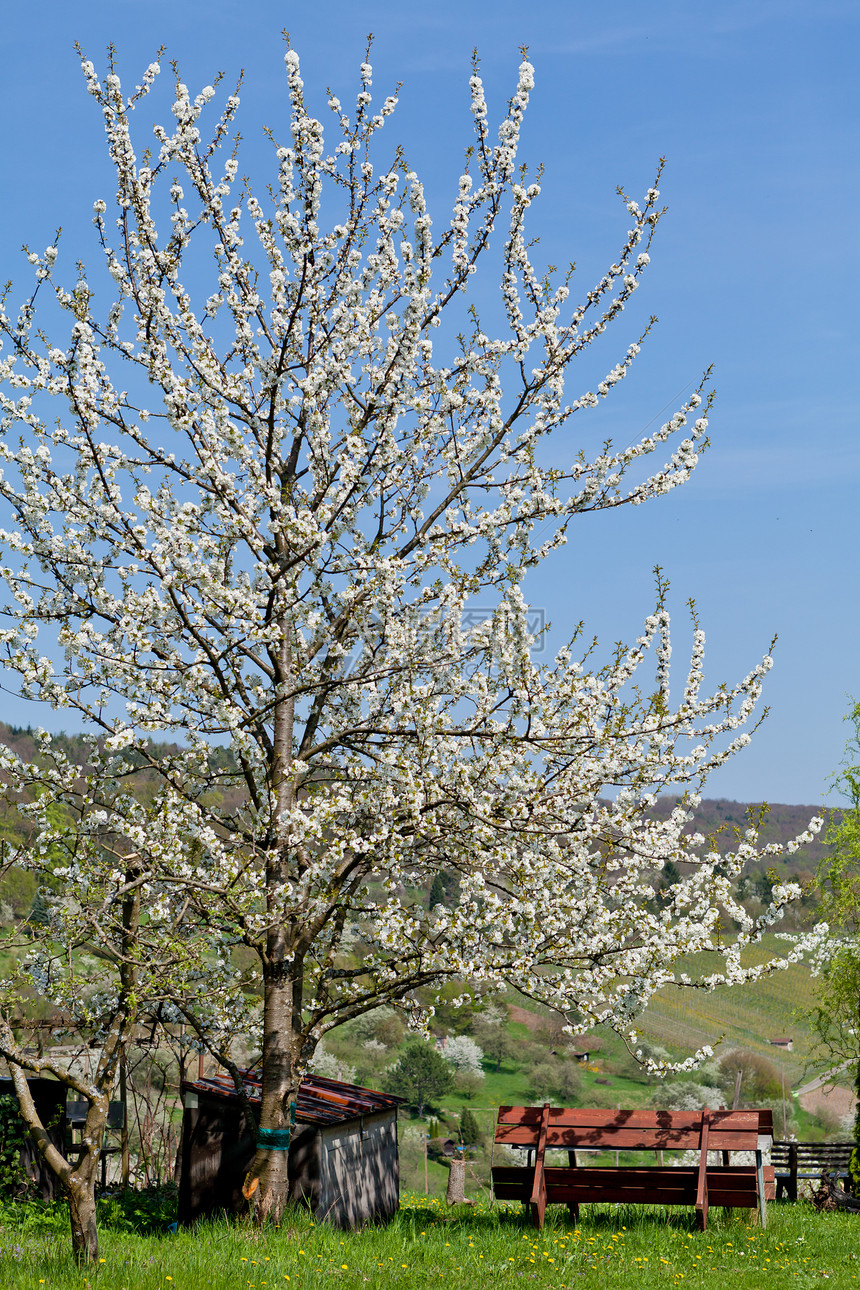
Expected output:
(633, 1130)
(811, 1152)
(76, 1114)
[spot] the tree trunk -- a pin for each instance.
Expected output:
(456, 1191)
(269, 1180)
(854, 1162)
(267, 1183)
(79, 1184)
(81, 1195)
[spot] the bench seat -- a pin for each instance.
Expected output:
(732, 1186)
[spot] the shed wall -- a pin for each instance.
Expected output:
(348, 1174)
(216, 1153)
(360, 1171)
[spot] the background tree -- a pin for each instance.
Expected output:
(464, 1054)
(836, 1015)
(438, 894)
(760, 1079)
(286, 510)
(421, 1076)
(556, 1079)
(491, 1031)
(109, 946)
(443, 889)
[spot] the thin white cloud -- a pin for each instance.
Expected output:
(765, 467)
(675, 27)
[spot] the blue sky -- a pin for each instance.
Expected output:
(754, 270)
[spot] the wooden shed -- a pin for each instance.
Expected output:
(343, 1162)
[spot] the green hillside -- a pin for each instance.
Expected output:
(747, 1016)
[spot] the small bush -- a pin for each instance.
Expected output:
(686, 1095)
(760, 1079)
(146, 1213)
(555, 1079)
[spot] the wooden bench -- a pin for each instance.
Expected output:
(538, 1129)
(76, 1116)
(794, 1160)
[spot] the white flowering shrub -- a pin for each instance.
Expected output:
(689, 1159)
(464, 1054)
(326, 1063)
(270, 492)
(687, 1095)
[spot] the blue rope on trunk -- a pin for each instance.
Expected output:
(277, 1139)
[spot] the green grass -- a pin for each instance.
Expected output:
(428, 1245)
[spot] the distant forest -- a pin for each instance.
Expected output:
(724, 819)
(718, 818)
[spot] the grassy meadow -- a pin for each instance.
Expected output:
(486, 1245)
(429, 1245)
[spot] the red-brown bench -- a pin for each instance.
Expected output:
(537, 1129)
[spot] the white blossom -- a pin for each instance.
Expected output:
(301, 567)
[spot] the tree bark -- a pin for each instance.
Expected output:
(81, 1194)
(267, 1183)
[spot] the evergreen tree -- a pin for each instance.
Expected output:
(437, 892)
(470, 1134)
(421, 1076)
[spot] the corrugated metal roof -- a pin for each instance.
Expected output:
(321, 1101)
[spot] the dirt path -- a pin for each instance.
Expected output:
(525, 1018)
(834, 1100)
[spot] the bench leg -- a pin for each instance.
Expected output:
(572, 1207)
(538, 1199)
(759, 1178)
